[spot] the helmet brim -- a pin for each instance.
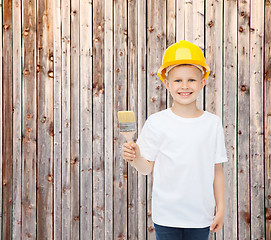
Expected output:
(162, 70)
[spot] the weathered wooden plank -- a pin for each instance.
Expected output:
(256, 120)
(66, 119)
(132, 105)
(141, 116)
(243, 189)
(267, 120)
(86, 119)
(213, 55)
(230, 119)
(29, 120)
(98, 119)
(57, 53)
(194, 21)
(108, 122)
(120, 99)
(17, 119)
(7, 121)
(156, 101)
(1, 121)
(45, 120)
(75, 121)
(189, 20)
(171, 22)
(171, 34)
(180, 20)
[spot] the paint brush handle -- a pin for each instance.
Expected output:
(132, 162)
(129, 139)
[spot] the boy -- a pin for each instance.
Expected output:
(184, 147)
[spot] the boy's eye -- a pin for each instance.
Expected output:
(190, 80)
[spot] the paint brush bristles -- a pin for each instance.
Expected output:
(127, 126)
(127, 121)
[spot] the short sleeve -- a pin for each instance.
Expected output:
(148, 141)
(220, 150)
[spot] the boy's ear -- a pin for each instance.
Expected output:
(166, 84)
(203, 83)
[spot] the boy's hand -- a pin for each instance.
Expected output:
(130, 152)
(218, 222)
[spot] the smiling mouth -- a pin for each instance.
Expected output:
(185, 94)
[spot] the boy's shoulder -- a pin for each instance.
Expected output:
(165, 112)
(163, 116)
(213, 116)
(215, 121)
(158, 116)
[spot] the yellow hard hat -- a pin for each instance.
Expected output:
(183, 52)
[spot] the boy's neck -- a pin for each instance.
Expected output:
(187, 110)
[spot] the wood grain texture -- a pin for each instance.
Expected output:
(17, 120)
(75, 120)
(267, 119)
(86, 223)
(7, 120)
(120, 104)
(141, 116)
(256, 120)
(142, 112)
(213, 55)
(229, 119)
(66, 120)
(29, 130)
(98, 119)
(180, 20)
(243, 189)
(45, 120)
(57, 54)
(132, 85)
(108, 111)
(1, 123)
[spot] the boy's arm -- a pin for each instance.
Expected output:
(132, 153)
(218, 186)
(143, 166)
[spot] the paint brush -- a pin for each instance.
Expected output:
(127, 126)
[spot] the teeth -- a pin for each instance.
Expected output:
(185, 93)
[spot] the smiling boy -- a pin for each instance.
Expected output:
(184, 147)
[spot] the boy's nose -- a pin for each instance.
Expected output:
(184, 85)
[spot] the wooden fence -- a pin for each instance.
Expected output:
(68, 66)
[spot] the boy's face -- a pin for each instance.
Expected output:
(184, 82)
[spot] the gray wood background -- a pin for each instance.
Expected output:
(68, 66)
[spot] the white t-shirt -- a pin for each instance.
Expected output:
(185, 151)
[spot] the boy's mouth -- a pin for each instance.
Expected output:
(185, 94)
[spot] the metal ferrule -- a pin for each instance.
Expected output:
(127, 127)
